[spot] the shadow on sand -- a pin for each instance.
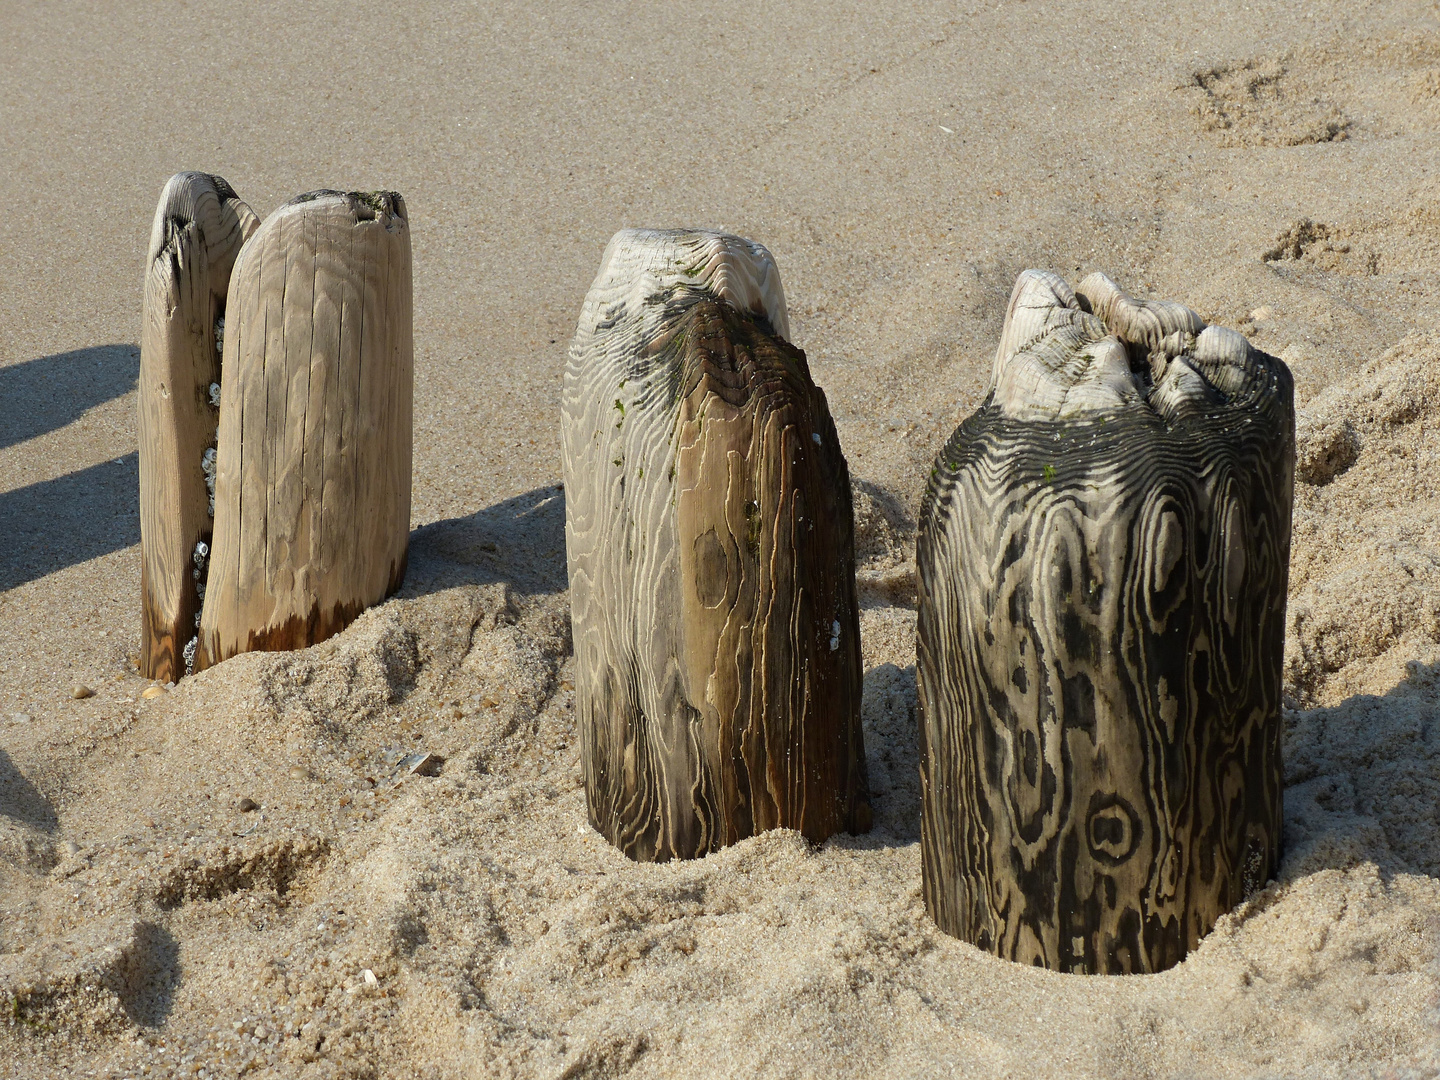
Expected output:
(71, 519)
(45, 394)
(1362, 781)
(21, 801)
(147, 980)
(520, 541)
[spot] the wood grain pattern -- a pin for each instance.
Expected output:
(200, 225)
(312, 489)
(1102, 560)
(710, 541)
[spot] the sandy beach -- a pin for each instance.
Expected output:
(1274, 166)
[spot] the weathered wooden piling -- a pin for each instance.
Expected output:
(200, 225)
(711, 555)
(312, 487)
(1102, 561)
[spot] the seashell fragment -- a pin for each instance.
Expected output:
(1102, 566)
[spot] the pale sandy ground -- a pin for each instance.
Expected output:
(903, 161)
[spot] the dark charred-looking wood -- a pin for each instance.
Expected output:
(312, 486)
(1102, 568)
(711, 551)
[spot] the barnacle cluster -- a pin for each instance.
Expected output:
(201, 558)
(215, 394)
(207, 463)
(219, 340)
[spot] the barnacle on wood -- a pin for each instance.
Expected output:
(207, 464)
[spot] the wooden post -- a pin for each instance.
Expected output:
(199, 227)
(711, 554)
(312, 490)
(1102, 559)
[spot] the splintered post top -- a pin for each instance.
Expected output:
(208, 204)
(387, 207)
(1067, 353)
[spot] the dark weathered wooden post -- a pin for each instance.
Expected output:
(711, 554)
(199, 227)
(1103, 558)
(312, 489)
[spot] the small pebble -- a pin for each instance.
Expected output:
(299, 772)
(1261, 313)
(152, 691)
(261, 1031)
(246, 805)
(369, 976)
(71, 847)
(79, 693)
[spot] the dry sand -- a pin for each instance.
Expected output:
(1272, 165)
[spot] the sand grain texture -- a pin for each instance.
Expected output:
(903, 163)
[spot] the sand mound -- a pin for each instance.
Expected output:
(474, 924)
(1364, 609)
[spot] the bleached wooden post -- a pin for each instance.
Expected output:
(199, 227)
(1103, 558)
(712, 571)
(312, 492)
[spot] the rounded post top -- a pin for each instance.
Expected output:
(641, 268)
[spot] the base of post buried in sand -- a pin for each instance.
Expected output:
(1102, 567)
(199, 228)
(711, 558)
(312, 485)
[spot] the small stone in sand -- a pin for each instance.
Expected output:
(81, 692)
(299, 772)
(152, 691)
(369, 976)
(246, 805)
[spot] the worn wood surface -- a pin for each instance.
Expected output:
(312, 495)
(711, 555)
(1102, 561)
(200, 225)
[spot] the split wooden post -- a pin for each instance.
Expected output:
(312, 491)
(711, 553)
(1103, 558)
(200, 225)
